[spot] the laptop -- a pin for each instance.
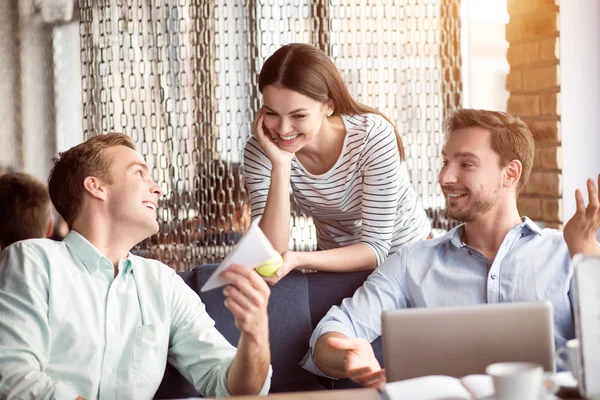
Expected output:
(458, 341)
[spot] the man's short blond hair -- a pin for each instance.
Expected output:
(74, 165)
(511, 137)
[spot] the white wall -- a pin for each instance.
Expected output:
(36, 91)
(40, 87)
(27, 134)
(580, 96)
(484, 49)
(11, 144)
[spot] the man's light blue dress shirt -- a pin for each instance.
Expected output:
(69, 327)
(531, 265)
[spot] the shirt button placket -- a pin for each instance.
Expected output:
(492, 282)
(108, 384)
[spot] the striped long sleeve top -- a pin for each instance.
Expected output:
(366, 197)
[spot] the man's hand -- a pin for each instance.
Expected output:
(290, 262)
(247, 298)
(580, 231)
(361, 365)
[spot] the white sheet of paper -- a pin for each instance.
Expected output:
(252, 250)
(433, 387)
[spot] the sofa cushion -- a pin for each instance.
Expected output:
(290, 329)
(326, 289)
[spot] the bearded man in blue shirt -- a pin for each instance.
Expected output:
(495, 256)
(86, 318)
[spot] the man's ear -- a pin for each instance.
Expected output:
(95, 187)
(513, 173)
(50, 227)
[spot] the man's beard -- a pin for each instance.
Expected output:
(477, 206)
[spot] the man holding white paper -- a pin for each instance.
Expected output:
(84, 317)
(495, 256)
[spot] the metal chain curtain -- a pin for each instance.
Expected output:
(180, 77)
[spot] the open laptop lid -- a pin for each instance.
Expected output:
(458, 341)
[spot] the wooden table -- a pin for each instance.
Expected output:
(350, 394)
(347, 394)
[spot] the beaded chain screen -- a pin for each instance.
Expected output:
(180, 77)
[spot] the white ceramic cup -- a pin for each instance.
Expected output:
(516, 380)
(567, 357)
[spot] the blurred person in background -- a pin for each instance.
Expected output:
(25, 209)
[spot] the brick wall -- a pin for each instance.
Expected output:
(534, 86)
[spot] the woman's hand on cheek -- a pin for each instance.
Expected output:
(276, 155)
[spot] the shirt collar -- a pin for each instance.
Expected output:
(454, 235)
(532, 226)
(89, 255)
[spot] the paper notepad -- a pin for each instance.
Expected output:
(438, 387)
(587, 321)
(252, 250)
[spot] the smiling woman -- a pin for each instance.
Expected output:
(343, 162)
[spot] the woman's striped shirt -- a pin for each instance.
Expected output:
(366, 197)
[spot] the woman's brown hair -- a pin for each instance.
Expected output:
(308, 70)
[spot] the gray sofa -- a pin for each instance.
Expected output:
(297, 304)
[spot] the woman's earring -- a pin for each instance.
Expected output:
(329, 113)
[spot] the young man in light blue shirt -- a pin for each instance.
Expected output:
(495, 256)
(86, 318)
